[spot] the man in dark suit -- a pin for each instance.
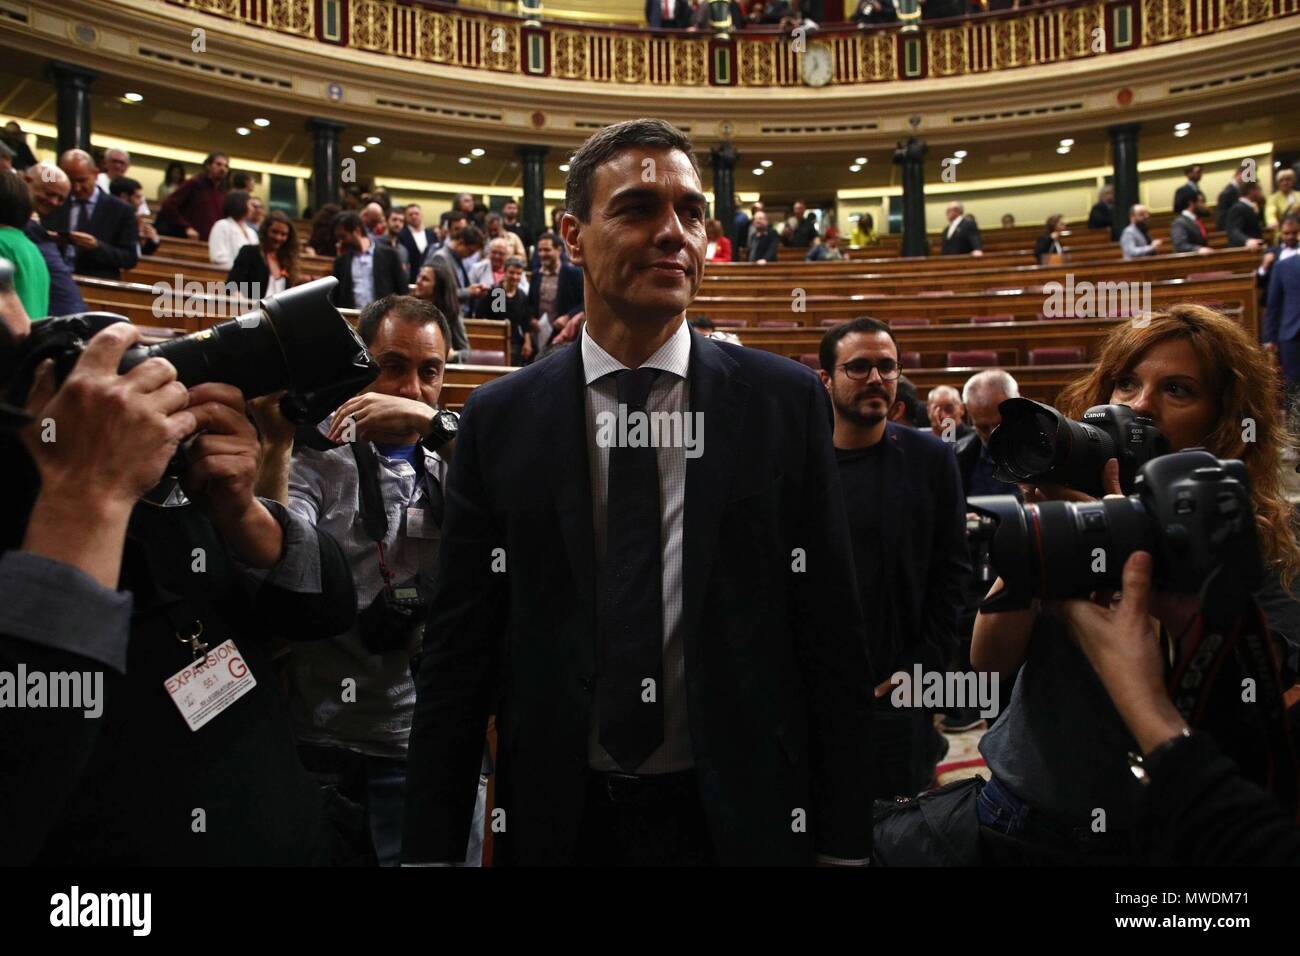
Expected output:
(962, 235)
(1242, 222)
(764, 244)
(366, 270)
(416, 240)
(805, 228)
(555, 290)
(674, 652)
(907, 519)
(1187, 231)
(1188, 191)
(97, 234)
(668, 14)
(1103, 211)
(1227, 199)
(50, 188)
(1281, 331)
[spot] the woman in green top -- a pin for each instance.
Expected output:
(31, 275)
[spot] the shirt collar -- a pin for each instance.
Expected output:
(1189, 214)
(673, 356)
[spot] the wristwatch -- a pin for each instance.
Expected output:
(442, 429)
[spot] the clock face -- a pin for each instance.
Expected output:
(816, 65)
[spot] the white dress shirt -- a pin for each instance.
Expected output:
(227, 238)
(421, 238)
(670, 393)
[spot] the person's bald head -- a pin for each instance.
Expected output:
(81, 172)
(49, 187)
(372, 217)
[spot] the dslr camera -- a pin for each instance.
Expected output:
(393, 620)
(1190, 510)
(1037, 444)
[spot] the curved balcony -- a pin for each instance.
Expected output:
(1053, 33)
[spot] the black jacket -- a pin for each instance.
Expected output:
(389, 276)
(65, 297)
(1101, 216)
(1227, 199)
(965, 240)
(415, 257)
(1185, 235)
(113, 224)
(250, 268)
(127, 784)
(803, 232)
(1242, 222)
(568, 294)
(775, 666)
(766, 247)
(1183, 195)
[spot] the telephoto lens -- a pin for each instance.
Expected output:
(1190, 510)
(1037, 444)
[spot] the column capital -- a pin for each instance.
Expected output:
(318, 125)
(61, 70)
(530, 151)
(724, 154)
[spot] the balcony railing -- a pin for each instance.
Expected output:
(762, 57)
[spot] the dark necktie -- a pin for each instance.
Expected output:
(631, 606)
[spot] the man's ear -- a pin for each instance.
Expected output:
(826, 379)
(571, 233)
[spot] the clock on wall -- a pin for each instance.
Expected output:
(816, 66)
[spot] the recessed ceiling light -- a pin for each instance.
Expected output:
(373, 140)
(1067, 142)
(132, 97)
(1182, 126)
(1062, 150)
(261, 121)
(564, 167)
(766, 164)
(465, 160)
(242, 130)
(358, 148)
(861, 160)
(758, 171)
(477, 151)
(954, 160)
(1181, 132)
(959, 153)
(855, 168)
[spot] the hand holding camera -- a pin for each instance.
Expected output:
(379, 417)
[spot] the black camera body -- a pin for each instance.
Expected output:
(1190, 510)
(393, 620)
(1037, 444)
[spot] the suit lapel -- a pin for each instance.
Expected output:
(894, 466)
(719, 395)
(568, 467)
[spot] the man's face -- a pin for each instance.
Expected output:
(466, 204)
(866, 402)
(1008, 222)
(1290, 234)
(415, 218)
(510, 210)
(411, 358)
(424, 283)
(136, 198)
(347, 241)
(1195, 174)
(497, 253)
(984, 414)
(946, 406)
(1108, 195)
(82, 176)
(1194, 205)
(799, 210)
(953, 211)
(218, 168)
(1141, 215)
(760, 221)
(256, 211)
(47, 196)
(396, 221)
(643, 250)
(548, 254)
(117, 164)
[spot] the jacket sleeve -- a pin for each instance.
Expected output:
(178, 199)
(830, 646)
(1273, 311)
(119, 250)
(950, 569)
(975, 241)
(467, 622)
(1198, 810)
(1232, 225)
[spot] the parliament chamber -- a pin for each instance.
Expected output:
(848, 234)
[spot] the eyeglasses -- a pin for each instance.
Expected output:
(859, 370)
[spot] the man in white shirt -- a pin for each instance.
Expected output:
(118, 162)
(416, 240)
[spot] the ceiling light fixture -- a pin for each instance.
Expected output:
(261, 121)
(132, 97)
(465, 160)
(861, 160)
(242, 130)
(766, 164)
(959, 153)
(358, 148)
(759, 170)
(477, 151)
(373, 140)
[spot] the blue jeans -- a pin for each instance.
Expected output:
(1038, 840)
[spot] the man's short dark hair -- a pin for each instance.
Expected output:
(703, 322)
(407, 308)
(410, 205)
(123, 187)
(607, 143)
(1188, 170)
(828, 353)
(235, 205)
(1200, 196)
(514, 262)
(15, 200)
(913, 410)
(349, 221)
(469, 236)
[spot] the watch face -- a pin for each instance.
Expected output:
(447, 422)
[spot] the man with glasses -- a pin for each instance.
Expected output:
(907, 523)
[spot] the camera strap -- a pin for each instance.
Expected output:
(1226, 679)
(370, 501)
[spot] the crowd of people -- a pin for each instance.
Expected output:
(693, 15)
(688, 650)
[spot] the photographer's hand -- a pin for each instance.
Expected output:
(99, 442)
(1049, 492)
(277, 448)
(381, 417)
(1122, 646)
(222, 471)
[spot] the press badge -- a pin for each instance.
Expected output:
(419, 524)
(203, 689)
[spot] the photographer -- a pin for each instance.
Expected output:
(1057, 753)
(1197, 808)
(207, 569)
(379, 494)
